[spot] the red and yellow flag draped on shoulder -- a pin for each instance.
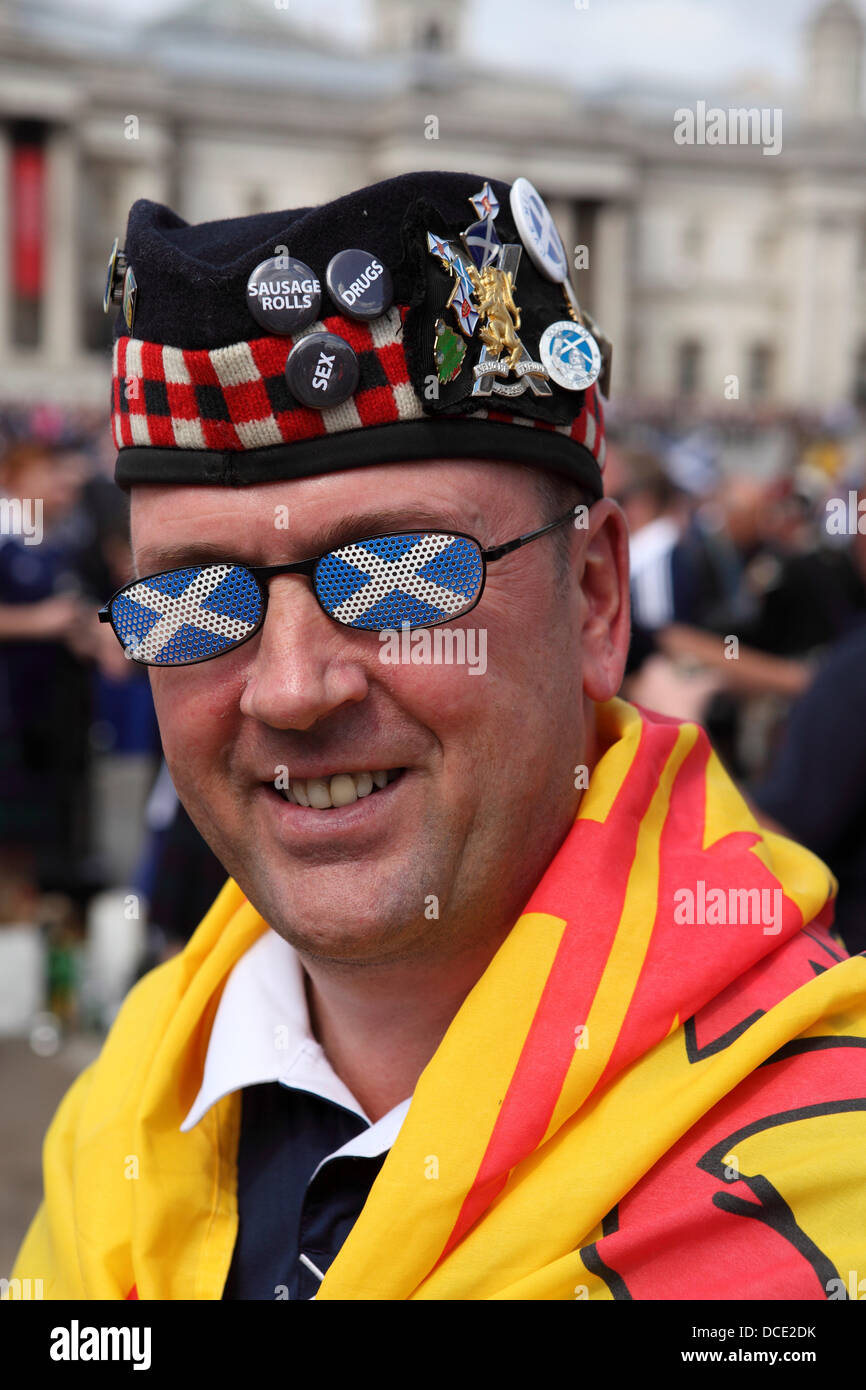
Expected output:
(629, 1103)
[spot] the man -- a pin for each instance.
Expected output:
(507, 995)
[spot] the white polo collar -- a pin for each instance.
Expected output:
(262, 1033)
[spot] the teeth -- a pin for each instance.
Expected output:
(319, 793)
(340, 790)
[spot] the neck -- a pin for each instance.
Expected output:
(380, 1025)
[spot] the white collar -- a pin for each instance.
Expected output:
(262, 1032)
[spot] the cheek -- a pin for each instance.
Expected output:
(441, 698)
(196, 709)
(484, 702)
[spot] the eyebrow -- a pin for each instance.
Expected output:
(153, 560)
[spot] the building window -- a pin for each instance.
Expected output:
(760, 371)
(96, 226)
(28, 232)
(690, 355)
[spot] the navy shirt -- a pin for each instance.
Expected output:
(287, 1204)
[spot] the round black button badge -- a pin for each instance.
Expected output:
(283, 294)
(322, 370)
(359, 284)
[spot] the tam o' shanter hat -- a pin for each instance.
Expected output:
(426, 316)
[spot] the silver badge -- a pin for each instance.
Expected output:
(114, 277)
(570, 354)
(130, 295)
(538, 231)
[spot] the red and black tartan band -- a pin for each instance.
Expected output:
(226, 416)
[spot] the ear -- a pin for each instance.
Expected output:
(604, 584)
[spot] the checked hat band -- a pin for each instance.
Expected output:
(220, 415)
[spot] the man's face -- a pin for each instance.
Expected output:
(486, 793)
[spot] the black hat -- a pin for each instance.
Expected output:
(426, 316)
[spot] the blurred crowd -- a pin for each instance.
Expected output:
(749, 615)
(748, 588)
(93, 888)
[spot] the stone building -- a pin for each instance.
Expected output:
(706, 261)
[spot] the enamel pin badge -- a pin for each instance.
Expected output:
(484, 271)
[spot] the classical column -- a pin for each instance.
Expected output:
(837, 328)
(794, 383)
(62, 253)
(562, 211)
(611, 282)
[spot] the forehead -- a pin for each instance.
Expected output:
(272, 518)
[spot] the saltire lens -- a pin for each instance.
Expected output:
(416, 578)
(189, 615)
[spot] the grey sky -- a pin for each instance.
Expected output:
(608, 41)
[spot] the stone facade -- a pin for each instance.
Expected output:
(706, 261)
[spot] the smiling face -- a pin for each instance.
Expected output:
(486, 792)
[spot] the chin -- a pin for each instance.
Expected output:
(342, 916)
(345, 942)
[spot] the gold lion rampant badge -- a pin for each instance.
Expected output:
(484, 271)
(494, 293)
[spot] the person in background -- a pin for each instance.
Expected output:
(689, 592)
(816, 785)
(656, 515)
(45, 633)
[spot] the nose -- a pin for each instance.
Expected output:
(305, 665)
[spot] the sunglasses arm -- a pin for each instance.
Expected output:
(497, 552)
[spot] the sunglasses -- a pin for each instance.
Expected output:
(414, 578)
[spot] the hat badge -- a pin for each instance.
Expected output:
(484, 271)
(114, 278)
